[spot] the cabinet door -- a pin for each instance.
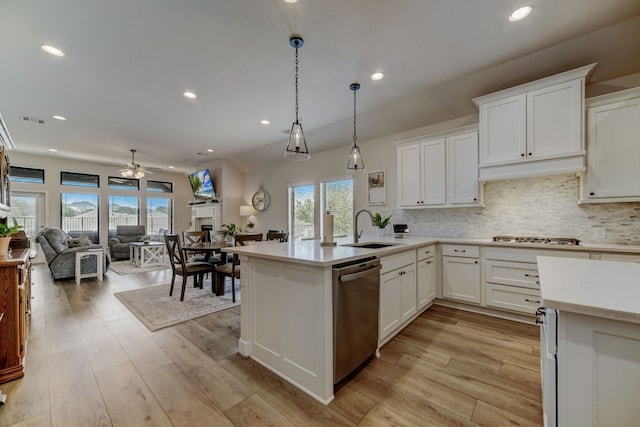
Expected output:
(408, 303)
(462, 167)
(503, 131)
(433, 177)
(613, 140)
(409, 192)
(426, 282)
(554, 121)
(390, 310)
(461, 279)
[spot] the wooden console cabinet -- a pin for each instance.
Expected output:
(15, 303)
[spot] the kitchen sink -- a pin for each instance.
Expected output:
(371, 245)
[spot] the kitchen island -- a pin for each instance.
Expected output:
(595, 311)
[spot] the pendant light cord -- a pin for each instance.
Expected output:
(355, 138)
(296, 84)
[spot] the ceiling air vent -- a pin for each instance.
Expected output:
(32, 119)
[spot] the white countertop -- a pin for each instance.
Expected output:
(311, 253)
(607, 289)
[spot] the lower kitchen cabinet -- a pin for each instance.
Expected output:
(461, 273)
(397, 293)
(427, 275)
(598, 374)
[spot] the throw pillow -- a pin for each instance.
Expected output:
(78, 241)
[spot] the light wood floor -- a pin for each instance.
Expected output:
(91, 363)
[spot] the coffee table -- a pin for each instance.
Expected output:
(146, 254)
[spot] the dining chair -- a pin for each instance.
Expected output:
(232, 269)
(280, 236)
(180, 266)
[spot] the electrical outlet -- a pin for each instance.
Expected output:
(599, 233)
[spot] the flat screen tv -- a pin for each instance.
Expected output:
(202, 186)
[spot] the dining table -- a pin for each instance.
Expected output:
(208, 249)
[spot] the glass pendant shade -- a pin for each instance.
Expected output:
(297, 146)
(356, 163)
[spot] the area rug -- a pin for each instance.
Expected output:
(156, 309)
(127, 267)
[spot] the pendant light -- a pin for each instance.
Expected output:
(355, 158)
(297, 146)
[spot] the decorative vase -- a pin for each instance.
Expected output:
(229, 240)
(380, 232)
(4, 245)
(146, 242)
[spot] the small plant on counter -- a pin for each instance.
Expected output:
(146, 238)
(379, 221)
(8, 230)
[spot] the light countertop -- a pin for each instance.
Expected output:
(311, 253)
(607, 289)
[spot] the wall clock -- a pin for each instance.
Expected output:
(261, 200)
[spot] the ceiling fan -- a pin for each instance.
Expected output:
(133, 169)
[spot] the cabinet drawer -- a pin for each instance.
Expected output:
(512, 273)
(512, 298)
(425, 252)
(620, 257)
(392, 262)
(466, 251)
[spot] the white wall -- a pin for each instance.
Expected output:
(52, 188)
(544, 206)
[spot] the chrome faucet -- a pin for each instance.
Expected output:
(356, 234)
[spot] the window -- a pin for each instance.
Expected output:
(159, 215)
(123, 210)
(20, 174)
(118, 183)
(337, 198)
(301, 212)
(79, 179)
(160, 187)
(79, 216)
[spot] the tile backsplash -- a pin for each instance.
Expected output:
(545, 206)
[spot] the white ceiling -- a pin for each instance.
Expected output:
(128, 62)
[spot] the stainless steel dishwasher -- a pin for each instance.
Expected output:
(356, 300)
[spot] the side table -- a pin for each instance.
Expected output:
(80, 255)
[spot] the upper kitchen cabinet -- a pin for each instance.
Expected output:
(613, 148)
(534, 129)
(439, 170)
(6, 143)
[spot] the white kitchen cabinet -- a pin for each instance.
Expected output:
(426, 275)
(397, 293)
(598, 371)
(534, 129)
(461, 273)
(439, 171)
(462, 169)
(613, 148)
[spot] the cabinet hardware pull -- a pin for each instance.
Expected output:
(530, 275)
(530, 300)
(427, 252)
(530, 153)
(428, 262)
(475, 262)
(592, 194)
(537, 282)
(522, 154)
(459, 250)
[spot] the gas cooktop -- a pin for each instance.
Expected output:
(531, 239)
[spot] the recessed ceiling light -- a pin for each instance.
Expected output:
(170, 167)
(63, 118)
(190, 95)
(210, 150)
(520, 14)
(291, 1)
(53, 150)
(265, 122)
(377, 76)
(52, 50)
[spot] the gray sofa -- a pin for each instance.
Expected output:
(125, 234)
(61, 258)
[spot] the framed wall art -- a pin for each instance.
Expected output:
(376, 188)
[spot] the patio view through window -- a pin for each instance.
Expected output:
(159, 211)
(337, 198)
(301, 212)
(80, 216)
(123, 210)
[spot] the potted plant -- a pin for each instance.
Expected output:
(145, 239)
(250, 226)
(5, 236)
(229, 232)
(380, 223)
